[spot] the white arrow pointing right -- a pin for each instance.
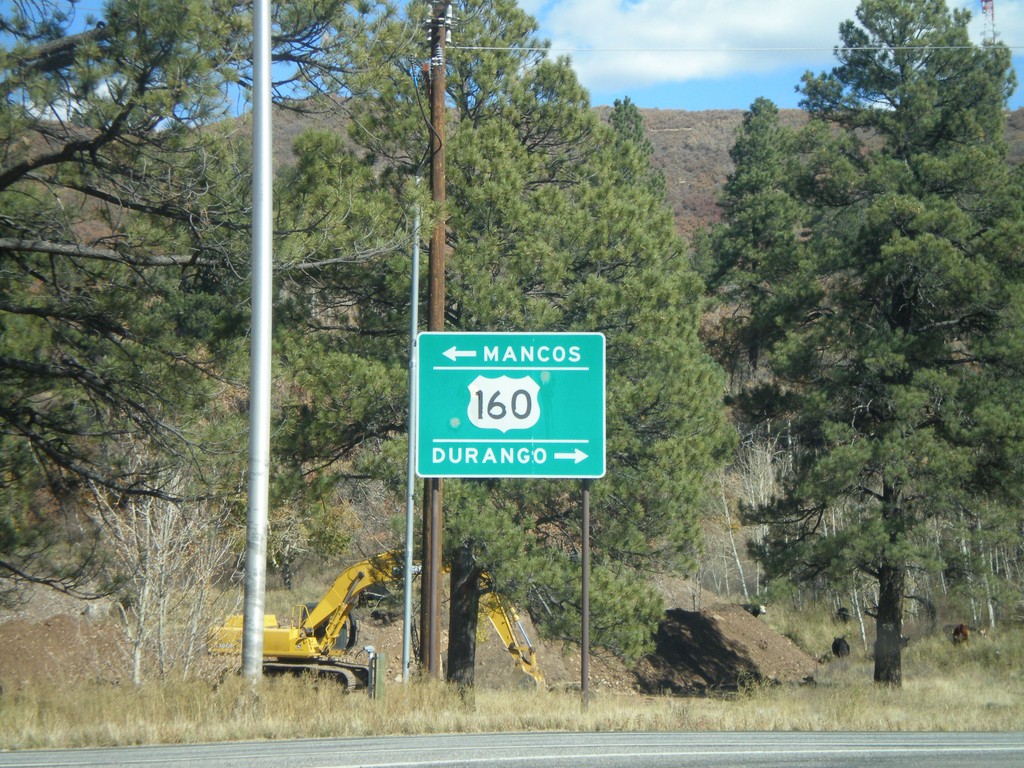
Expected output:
(576, 456)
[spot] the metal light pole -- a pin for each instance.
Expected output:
(259, 383)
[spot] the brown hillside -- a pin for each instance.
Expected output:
(690, 148)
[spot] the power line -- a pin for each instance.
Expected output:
(795, 49)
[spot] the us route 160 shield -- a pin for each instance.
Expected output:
(503, 403)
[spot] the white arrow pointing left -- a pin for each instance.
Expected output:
(576, 456)
(454, 353)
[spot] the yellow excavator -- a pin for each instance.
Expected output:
(319, 635)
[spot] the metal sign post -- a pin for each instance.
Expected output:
(585, 599)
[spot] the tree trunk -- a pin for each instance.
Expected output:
(286, 573)
(732, 538)
(465, 612)
(888, 646)
(860, 618)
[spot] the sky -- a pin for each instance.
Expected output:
(710, 54)
(718, 54)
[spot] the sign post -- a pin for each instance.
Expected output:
(511, 405)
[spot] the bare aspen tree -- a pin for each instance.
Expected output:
(855, 599)
(732, 538)
(760, 466)
(165, 554)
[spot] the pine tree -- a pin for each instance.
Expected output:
(124, 231)
(895, 345)
(761, 246)
(98, 145)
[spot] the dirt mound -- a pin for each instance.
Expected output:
(62, 648)
(717, 650)
(696, 652)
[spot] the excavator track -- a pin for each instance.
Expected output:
(352, 676)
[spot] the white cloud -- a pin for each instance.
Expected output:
(653, 41)
(638, 43)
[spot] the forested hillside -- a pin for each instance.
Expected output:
(691, 149)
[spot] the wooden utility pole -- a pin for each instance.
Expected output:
(430, 618)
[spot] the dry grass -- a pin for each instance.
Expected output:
(976, 688)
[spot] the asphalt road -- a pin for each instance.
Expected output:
(564, 750)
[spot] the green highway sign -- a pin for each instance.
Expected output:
(510, 405)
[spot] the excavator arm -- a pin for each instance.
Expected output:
(506, 623)
(326, 619)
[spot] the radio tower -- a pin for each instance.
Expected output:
(988, 10)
